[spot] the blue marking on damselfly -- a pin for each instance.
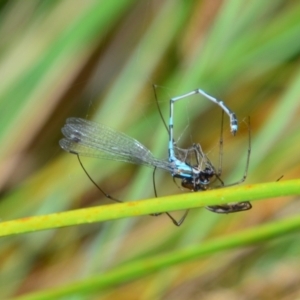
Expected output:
(87, 138)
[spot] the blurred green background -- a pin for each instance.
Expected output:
(98, 60)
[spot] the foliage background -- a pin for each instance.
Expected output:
(98, 60)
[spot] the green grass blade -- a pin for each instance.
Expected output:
(150, 206)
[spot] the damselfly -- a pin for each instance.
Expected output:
(87, 138)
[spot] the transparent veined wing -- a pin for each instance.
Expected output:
(87, 138)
